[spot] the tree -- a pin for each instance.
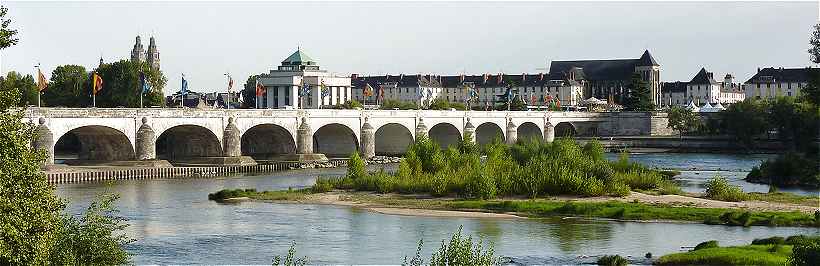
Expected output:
(68, 87)
(249, 91)
(33, 230)
(683, 120)
(121, 86)
(814, 45)
(24, 86)
(745, 120)
(639, 97)
(7, 38)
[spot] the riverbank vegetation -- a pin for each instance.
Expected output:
(228, 194)
(529, 168)
(794, 250)
(36, 230)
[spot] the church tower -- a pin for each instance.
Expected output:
(650, 71)
(138, 54)
(153, 54)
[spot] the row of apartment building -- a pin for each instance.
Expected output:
(299, 82)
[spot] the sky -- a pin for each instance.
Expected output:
(205, 40)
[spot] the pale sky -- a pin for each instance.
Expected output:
(204, 40)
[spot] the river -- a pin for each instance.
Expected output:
(174, 223)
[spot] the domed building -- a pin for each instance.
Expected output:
(298, 82)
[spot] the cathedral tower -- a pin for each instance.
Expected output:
(153, 54)
(138, 54)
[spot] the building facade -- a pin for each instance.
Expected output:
(534, 89)
(610, 79)
(771, 82)
(703, 88)
(151, 56)
(284, 85)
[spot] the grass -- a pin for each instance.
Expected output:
(290, 194)
(784, 197)
(609, 209)
(740, 255)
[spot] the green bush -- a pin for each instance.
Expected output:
(462, 251)
(769, 241)
(718, 188)
(612, 260)
(530, 167)
(790, 169)
(805, 254)
(707, 244)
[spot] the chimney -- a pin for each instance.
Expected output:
(758, 69)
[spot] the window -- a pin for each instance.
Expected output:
(789, 93)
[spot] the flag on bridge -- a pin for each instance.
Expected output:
(97, 83)
(305, 91)
(368, 90)
(323, 87)
(146, 87)
(184, 88)
(260, 89)
(41, 80)
(230, 83)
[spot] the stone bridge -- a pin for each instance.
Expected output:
(122, 134)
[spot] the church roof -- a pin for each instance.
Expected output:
(615, 69)
(703, 77)
(298, 58)
(647, 60)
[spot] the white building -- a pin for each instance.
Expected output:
(283, 85)
(770, 82)
(674, 94)
(704, 89)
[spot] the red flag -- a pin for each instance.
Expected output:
(368, 91)
(260, 89)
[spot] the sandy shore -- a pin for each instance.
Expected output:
(346, 199)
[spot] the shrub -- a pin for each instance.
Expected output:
(805, 253)
(612, 260)
(718, 188)
(290, 258)
(707, 244)
(594, 150)
(355, 166)
(462, 251)
(769, 241)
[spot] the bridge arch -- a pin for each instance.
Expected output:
(529, 130)
(565, 129)
(486, 132)
(187, 141)
(94, 143)
(393, 139)
(445, 134)
(266, 141)
(335, 140)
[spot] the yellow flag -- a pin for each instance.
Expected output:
(41, 80)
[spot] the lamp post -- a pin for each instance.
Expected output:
(228, 97)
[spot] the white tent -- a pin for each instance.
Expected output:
(708, 108)
(693, 107)
(593, 100)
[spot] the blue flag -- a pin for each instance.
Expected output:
(184, 85)
(146, 88)
(305, 90)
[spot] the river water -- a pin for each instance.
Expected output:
(174, 223)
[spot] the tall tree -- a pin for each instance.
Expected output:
(7, 38)
(639, 97)
(24, 86)
(249, 92)
(683, 120)
(814, 44)
(68, 87)
(121, 86)
(745, 120)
